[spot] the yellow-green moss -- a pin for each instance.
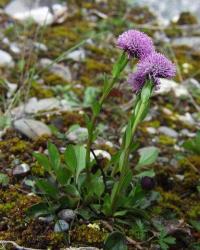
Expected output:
(166, 140)
(39, 91)
(37, 170)
(194, 211)
(187, 18)
(91, 233)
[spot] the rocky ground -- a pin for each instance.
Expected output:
(48, 77)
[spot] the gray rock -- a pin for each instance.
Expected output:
(168, 131)
(12, 87)
(193, 42)
(43, 12)
(77, 55)
(67, 214)
(47, 219)
(6, 59)
(21, 170)
(170, 9)
(31, 128)
(57, 69)
(61, 226)
(34, 105)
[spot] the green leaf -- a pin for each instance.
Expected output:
(195, 224)
(90, 96)
(72, 191)
(148, 155)
(75, 158)
(96, 107)
(4, 179)
(115, 241)
(48, 188)
(63, 175)
(119, 65)
(193, 145)
(43, 161)
(80, 153)
(54, 155)
(149, 173)
(39, 209)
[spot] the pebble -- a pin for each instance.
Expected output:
(34, 105)
(21, 170)
(77, 55)
(42, 12)
(47, 219)
(6, 59)
(187, 119)
(66, 214)
(151, 130)
(169, 85)
(12, 87)
(31, 128)
(168, 131)
(101, 154)
(61, 226)
(57, 69)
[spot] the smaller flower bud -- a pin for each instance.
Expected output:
(147, 183)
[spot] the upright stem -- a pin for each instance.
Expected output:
(119, 66)
(140, 109)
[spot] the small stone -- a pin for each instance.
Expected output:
(57, 69)
(61, 226)
(12, 87)
(186, 132)
(47, 219)
(6, 59)
(34, 105)
(187, 119)
(31, 128)
(66, 214)
(101, 154)
(151, 130)
(42, 12)
(77, 55)
(40, 46)
(168, 131)
(21, 170)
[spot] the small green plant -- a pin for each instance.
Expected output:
(75, 179)
(165, 240)
(193, 145)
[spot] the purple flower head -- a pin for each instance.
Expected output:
(135, 43)
(152, 67)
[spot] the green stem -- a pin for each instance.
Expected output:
(137, 116)
(105, 94)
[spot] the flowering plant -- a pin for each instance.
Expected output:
(78, 181)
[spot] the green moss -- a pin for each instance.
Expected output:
(166, 140)
(37, 170)
(194, 211)
(187, 18)
(39, 91)
(53, 80)
(91, 233)
(14, 146)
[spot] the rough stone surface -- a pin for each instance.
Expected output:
(43, 12)
(31, 128)
(21, 170)
(61, 226)
(66, 214)
(6, 59)
(57, 69)
(168, 131)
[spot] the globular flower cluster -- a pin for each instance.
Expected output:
(137, 44)
(151, 66)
